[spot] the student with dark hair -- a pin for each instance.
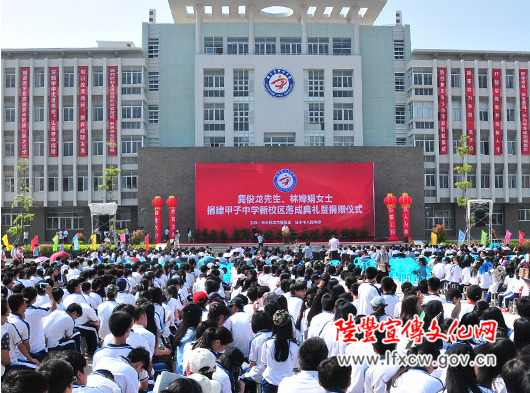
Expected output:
(516, 374)
(367, 291)
(452, 304)
(334, 377)
(521, 334)
(279, 352)
(523, 306)
(473, 295)
(219, 312)
(105, 310)
(78, 363)
(184, 385)
(59, 374)
(214, 339)
(311, 352)
(376, 376)
(239, 324)
(462, 378)
(327, 305)
(489, 376)
(191, 317)
(228, 370)
(495, 314)
(24, 381)
(59, 328)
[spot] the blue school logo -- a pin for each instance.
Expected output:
(279, 83)
(285, 180)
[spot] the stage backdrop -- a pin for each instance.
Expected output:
(271, 195)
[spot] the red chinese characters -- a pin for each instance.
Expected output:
(470, 110)
(523, 93)
(405, 201)
(52, 132)
(112, 112)
(442, 122)
(157, 203)
(390, 202)
(497, 130)
(83, 96)
(24, 102)
(172, 203)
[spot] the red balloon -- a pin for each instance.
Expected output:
(172, 201)
(157, 202)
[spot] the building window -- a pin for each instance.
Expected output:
(98, 147)
(153, 81)
(315, 116)
(131, 125)
(430, 178)
(9, 184)
(499, 180)
(524, 213)
(10, 115)
(53, 182)
(9, 148)
(129, 180)
(423, 92)
(439, 214)
(482, 79)
(400, 114)
(422, 110)
(484, 145)
(485, 180)
(315, 83)
(131, 111)
(343, 117)
(279, 140)
(68, 183)
(69, 79)
(509, 79)
(240, 141)
(214, 83)
(342, 46)
(98, 78)
(510, 111)
(10, 79)
(68, 146)
(426, 141)
(130, 144)
(422, 76)
(214, 141)
(39, 114)
(8, 219)
(68, 113)
(512, 180)
(455, 78)
(241, 83)
(290, 46)
(241, 117)
(265, 45)
(456, 109)
(318, 46)
(131, 90)
(213, 45)
(153, 114)
(97, 113)
(343, 141)
(399, 50)
(131, 77)
(511, 145)
(237, 45)
(153, 48)
(38, 143)
(214, 117)
(314, 140)
(82, 183)
(69, 219)
(497, 216)
(525, 181)
(399, 81)
(97, 181)
(483, 111)
(342, 83)
(444, 180)
(38, 182)
(39, 78)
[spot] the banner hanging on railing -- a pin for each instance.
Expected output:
(497, 129)
(442, 122)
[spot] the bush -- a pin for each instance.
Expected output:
(441, 234)
(81, 237)
(223, 236)
(137, 238)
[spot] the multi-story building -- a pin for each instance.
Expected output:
(58, 107)
(484, 96)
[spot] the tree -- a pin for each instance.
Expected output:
(463, 150)
(22, 201)
(109, 182)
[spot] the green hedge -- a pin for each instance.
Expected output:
(47, 249)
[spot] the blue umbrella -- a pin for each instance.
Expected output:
(204, 261)
(495, 245)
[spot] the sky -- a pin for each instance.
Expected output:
(449, 24)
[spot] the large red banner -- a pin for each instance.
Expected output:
(54, 78)
(112, 121)
(442, 93)
(470, 111)
(497, 131)
(24, 105)
(271, 195)
(523, 92)
(83, 96)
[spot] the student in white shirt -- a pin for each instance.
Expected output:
(239, 325)
(88, 325)
(434, 286)
(261, 323)
(74, 293)
(105, 310)
(79, 364)
(473, 295)
(59, 328)
(123, 296)
(388, 289)
(311, 352)
(367, 291)
(318, 321)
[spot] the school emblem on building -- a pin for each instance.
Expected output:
(279, 83)
(285, 180)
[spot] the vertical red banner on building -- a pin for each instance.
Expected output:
(83, 99)
(112, 113)
(54, 79)
(470, 111)
(523, 91)
(497, 130)
(442, 93)
(24, 106)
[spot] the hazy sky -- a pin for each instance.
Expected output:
(448, 24)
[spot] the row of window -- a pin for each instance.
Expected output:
(498, 181)
(129, 145)
(128, 77)
(444, 214)
(268, 46)
(423, 76)
(425, 110)
(427, 142)
(280, 140)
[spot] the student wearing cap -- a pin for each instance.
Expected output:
(123, 296)
(378, 306)
(239, 325)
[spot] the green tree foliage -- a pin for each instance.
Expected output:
(23, 202)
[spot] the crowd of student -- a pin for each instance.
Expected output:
(174, 316)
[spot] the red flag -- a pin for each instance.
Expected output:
(521, 238)
(34, 242)
(146, 242)
(507, 238)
